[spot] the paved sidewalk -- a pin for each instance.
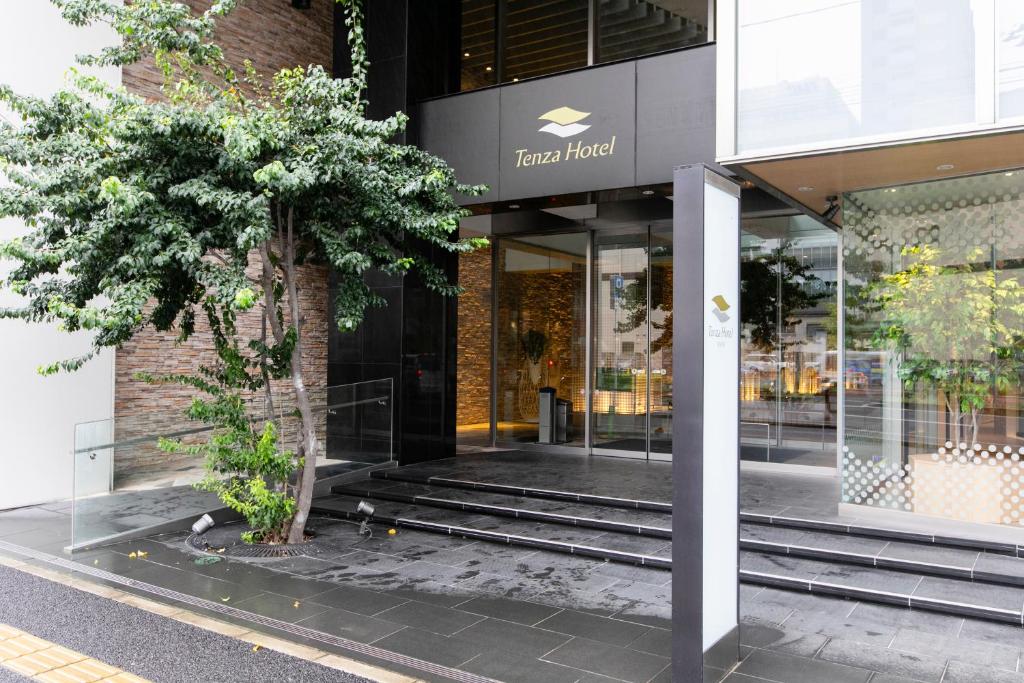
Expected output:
(146, 644)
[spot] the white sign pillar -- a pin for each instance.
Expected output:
(705, 425)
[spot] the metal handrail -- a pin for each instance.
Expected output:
(199, 430)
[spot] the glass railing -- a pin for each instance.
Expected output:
(125, 485)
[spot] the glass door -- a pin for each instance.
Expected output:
(540, 340)
(620, 378)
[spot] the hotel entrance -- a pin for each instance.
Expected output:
(580, 341)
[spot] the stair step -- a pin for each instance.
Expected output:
(606, 545)
(871, 584)
(864, 531)
(791, 559)
(918, 558)
(411, 475)
(587, 515)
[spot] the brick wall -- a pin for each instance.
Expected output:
(474, 346)
(273, 35)
(270, 33)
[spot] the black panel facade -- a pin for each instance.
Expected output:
(675, 116)
(463, 131)
(411, 339)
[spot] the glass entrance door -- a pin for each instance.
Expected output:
(621, 383)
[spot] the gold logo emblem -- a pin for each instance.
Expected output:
(564, 122)
(720, 308)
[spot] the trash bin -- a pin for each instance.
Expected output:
(546, 418)
(563, 420)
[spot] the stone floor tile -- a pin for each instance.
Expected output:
(617, 662)
(518, 611)
(852, 653)
(441, 620)
(444, 650)
(783, 668)
(495, 634)
(603, 629)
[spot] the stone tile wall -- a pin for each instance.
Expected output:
(474, 353)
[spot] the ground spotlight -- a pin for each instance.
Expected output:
(366, 510)
(202, 525)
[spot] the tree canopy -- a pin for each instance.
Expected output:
(142, 213)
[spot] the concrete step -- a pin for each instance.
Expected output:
(571, 513)
(905, 574)
(907, 556)
(601, 544)
(872, 584)
(413, 475)
(862, 530)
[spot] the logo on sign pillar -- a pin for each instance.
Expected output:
(720, 307)
(722, 330)
(565, 122)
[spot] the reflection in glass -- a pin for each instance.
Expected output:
(621, 389)
(541, 332)
(934, 332)
(626, 30)
(478, 64)
(788, 405)
(1010, 46)
(810, 71)
(661, 339)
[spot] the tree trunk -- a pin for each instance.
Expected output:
(308, 450)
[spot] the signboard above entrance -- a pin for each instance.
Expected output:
(598, 128)
(575, 132)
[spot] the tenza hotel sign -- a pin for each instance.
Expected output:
(564, 122)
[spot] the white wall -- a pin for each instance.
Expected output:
(37, 414)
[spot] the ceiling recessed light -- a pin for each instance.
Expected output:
(945, 167)
(647, 193)
(805, 188)
(1008, 173)
(489, 69)
(515, 80)
(465, 54)
(513, 206)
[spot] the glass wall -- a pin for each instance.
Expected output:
(934, 348)
(788, 394)
(504, 41)
(540, 327)
(818, 73)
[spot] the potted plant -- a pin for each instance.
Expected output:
(534, 344)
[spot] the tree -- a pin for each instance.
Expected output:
(956, 328)
(141, 214)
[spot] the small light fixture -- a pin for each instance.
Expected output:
(647, 193)
(465, 54)
(513, 206)
(832, 209)
(515, 80)
(805, 188)
(489, 69)
(1008, 174)
(202, 525)
(945, 167)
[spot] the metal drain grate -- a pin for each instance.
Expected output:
(250, 550)
(220, 608)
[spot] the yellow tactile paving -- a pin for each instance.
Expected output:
(41, 660)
